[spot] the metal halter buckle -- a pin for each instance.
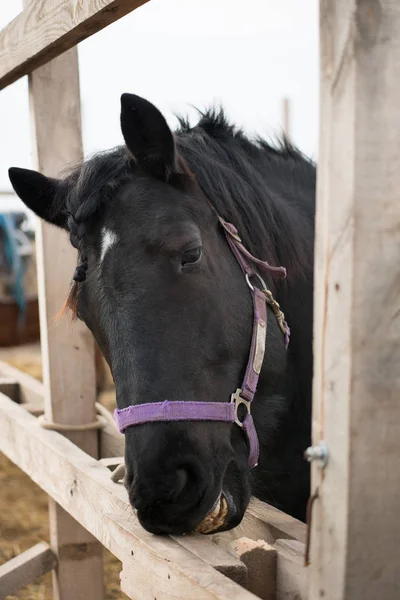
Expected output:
(237, 400)
(260, 279)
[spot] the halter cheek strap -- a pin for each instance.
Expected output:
(228, 412)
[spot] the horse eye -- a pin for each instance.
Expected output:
(192, 257)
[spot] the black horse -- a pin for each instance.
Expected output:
(165, 298)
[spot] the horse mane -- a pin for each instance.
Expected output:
(267, 190)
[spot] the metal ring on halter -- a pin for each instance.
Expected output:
(238, 400)
(260, 279)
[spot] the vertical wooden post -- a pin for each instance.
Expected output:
(67, 350)
(355, 524)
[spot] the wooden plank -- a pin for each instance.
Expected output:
(112, 463)
(25, 568)
(111, 441)
(280, 524)
(67, 351)
(265, 522)
(31, 393)
(47, 28)
(171, 571)
(355, 525)
(30, 389)
(260, 560)
(9, 387)
(27, 390)
(160, 567)
(35, 408)
(291, 575)
(226, 563)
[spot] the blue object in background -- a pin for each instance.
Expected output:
(8, 228)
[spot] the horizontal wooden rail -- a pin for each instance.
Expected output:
(9, 387)
(162, 567)
(25, 568)
(47, 28)
(30, 389)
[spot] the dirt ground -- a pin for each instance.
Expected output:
(23, 506)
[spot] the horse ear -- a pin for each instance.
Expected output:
(38, 192)
(147, 136)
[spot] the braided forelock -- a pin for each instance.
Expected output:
(82, 191)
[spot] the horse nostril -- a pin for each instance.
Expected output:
(182, 478)
(175, 486)
(187, 481)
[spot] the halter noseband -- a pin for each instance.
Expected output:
(225, 411)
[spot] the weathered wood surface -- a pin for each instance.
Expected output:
(262, 522)
(280, 524)
(356, 525)
(30, 389)
(111, 441)
(291, 575)
(67, 351)
(47, 28)
(260, 559)
(9, 387)
(161, 567)
(25, 568)
(111, 463)
(224, 562)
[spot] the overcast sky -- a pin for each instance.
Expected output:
(178, 53)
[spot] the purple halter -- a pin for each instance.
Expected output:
(224, 411)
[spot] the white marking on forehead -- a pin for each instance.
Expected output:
(108, 239)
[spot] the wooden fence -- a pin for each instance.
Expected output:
(355, 529)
